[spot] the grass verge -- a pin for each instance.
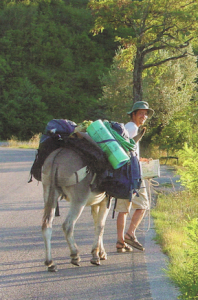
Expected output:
(176, 223)
(33, 143)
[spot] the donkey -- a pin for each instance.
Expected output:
(65, 174)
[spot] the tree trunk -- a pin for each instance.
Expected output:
(137, 77)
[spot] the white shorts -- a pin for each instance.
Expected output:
(141, 202)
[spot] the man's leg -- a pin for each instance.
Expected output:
(135, 221)
(140, 205)
(121, 223)
(123, 207)
(130, 237)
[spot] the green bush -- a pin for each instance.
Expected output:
(47, 45)
(189, 283)
(189, 173)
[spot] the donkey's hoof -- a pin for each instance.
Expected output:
(103, 255)
(48, 263)
(95, 261)
(52, 268)
(76, 261)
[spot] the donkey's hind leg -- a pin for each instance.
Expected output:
(68, 228)
(48, 217)
(99, 213)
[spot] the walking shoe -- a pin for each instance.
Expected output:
(124, 247)
(132, 241)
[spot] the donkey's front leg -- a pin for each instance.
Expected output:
(99, 213)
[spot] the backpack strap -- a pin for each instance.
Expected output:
(75, 178)
(115, 203)
(109, 201)
(135, 176)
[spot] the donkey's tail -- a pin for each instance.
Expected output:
(49, 180)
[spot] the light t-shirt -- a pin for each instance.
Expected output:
(133, 131)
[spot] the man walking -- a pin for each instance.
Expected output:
(138, 116)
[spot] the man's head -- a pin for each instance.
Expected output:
(140, 112)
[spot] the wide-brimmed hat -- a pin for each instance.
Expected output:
(142, 105)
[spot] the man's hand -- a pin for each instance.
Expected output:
(145, 159)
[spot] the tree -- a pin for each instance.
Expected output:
(117, 84)
(169, 87)
(149, 26)
(22, 114)
(48, 45)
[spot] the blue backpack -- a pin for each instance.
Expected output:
(51, 139)
(123, 182)
(57, 128)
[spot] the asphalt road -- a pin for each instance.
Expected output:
(23, 276)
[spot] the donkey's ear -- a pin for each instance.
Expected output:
(138, 137)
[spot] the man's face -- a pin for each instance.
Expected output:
(139, 117)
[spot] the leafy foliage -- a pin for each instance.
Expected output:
(148, 26)
(171, 91)
(117, 86)
(171, 86)
(181, 129)
(47, 45)
(17, 116)
(189, 175)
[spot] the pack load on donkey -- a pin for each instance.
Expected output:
(50, 140)
(109, 153)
